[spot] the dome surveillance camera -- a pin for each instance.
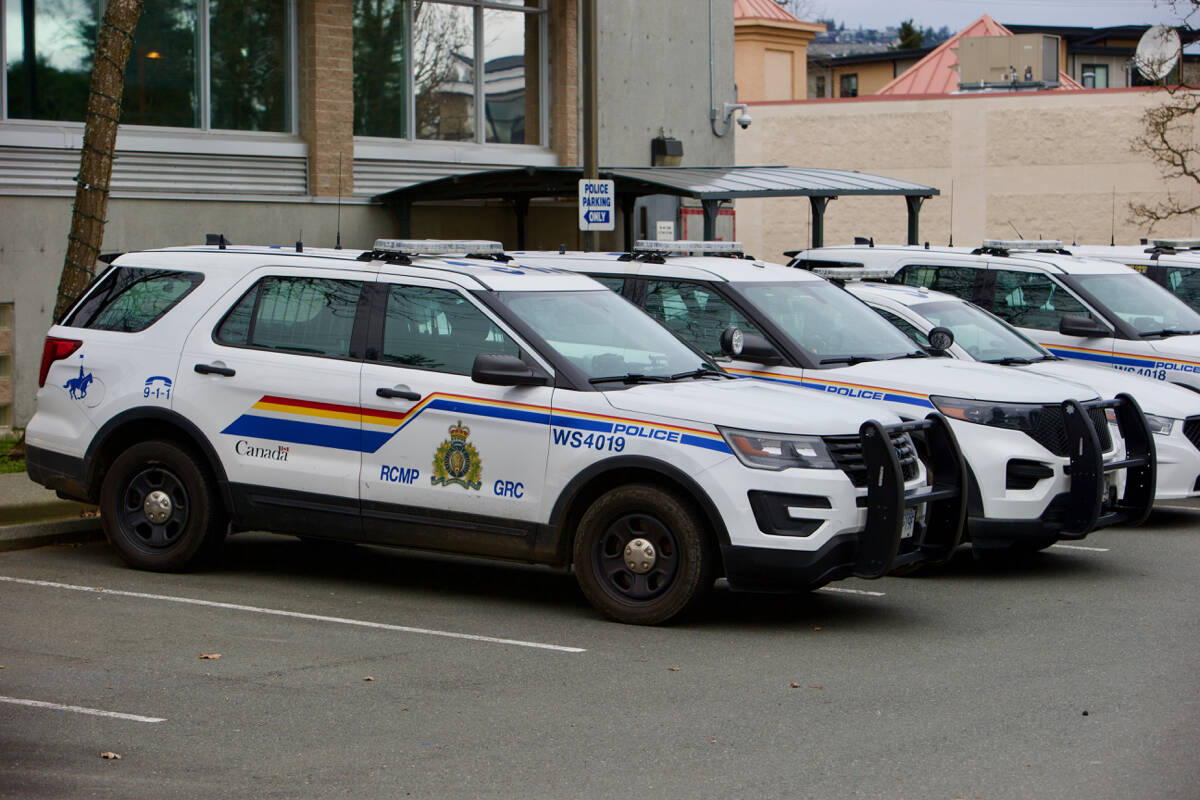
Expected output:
(744, 120)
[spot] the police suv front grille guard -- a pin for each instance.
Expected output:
(1088, 509)
(879, 549)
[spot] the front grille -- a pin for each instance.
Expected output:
(847, 454)
(1191, 429)
(1051, 429)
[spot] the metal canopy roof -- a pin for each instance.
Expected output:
(710, 185)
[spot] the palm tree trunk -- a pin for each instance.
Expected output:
(114, 43)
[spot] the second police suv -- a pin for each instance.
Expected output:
(1044, 462)
(439, 396)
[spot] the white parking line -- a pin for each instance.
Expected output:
(297, 615)
(95, 712)
(850, 591)
(1080, 547)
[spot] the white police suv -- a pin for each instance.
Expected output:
(1172, 412)
(1035, 446)
(1173, 264)
(462, 403)
(1093, 310)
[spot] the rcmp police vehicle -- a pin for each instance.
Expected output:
(1034, 450)
(1173, 264)
(1172, 412)
(1087, 309)
(464, 404)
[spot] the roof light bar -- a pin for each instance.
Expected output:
(1023, 244)
(1176, 244)
(438, 247)
(686, 246)
(852, 273)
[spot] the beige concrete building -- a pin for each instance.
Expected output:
(1041, 164)
(770, 51)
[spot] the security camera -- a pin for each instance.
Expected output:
(744, 120)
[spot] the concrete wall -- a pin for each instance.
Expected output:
(1045, 164)
(654, 76)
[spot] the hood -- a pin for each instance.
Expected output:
(1186, 348)
(750, 405)
(970, 380)
(1155, 397)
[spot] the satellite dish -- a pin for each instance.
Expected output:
(1157, 52)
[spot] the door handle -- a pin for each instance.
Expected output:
(212, 369)
(404, 393)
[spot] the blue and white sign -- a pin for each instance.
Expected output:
(597, 205)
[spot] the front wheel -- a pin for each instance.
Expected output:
(159, 507)
(642, 555)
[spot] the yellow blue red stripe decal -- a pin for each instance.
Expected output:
(288, 419)
(1153, 362)
(862, 391)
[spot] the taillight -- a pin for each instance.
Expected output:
(53, 350)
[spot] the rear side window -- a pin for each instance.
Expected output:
(958, 281)
(131, 299)
(313, 316)
(1185, 284)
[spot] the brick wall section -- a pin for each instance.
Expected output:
(327, 94)
(565, 109)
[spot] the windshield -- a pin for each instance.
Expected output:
(983, 336)
(824, 320)
(604, 335)
(1149, 308)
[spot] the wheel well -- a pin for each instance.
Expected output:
(126, 433)
(598, 484)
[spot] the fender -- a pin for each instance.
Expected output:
(169, 417)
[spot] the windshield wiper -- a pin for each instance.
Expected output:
(850, 360)
(1011, 361)
(700, 372)
(631, 378)
(912, 354)
(1168, 332)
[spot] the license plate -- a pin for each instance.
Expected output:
(910, 523)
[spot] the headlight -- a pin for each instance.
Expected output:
(1160, 425)
(778, 451)
(1020, 416)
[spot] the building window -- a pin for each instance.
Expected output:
(1098, 76)
(848, 85)
(820, 86)
(207, 64)
(437, 93)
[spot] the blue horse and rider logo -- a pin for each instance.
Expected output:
(78, 387)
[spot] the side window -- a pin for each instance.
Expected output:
(695, 313)
(131, 299)
(906, 327)
(313, 316)
(1031, 300)
(438, 329)
(1185, 284)
(958, 281)
(616, 283)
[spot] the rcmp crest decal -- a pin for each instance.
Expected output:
(457, 461)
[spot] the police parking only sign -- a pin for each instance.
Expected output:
(597, 205)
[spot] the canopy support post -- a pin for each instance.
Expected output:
(914, 213)
(521, 209)
(627, 201)
(818, 204)
(711, 209)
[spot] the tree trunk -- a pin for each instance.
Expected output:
(114, 43)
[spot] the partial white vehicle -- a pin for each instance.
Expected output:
(1041, 461)
(1087, 309)
(432, 395)
(1173, 264)
(1172, 412)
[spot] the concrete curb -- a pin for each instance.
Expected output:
(39, 534)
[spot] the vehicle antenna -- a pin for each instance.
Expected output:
(1014, 227)
(951, 214)
(338, 243)
(300, 242)
(1112, 237)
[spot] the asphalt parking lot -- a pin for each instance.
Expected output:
(360, 672)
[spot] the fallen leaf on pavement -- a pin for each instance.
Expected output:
(673, 669)
(794, 685)
(368, 678)
(211, 656)
(812, 686)
(107, 754)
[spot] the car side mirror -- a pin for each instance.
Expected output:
(940, 339)
(1078, 325)
(748, 347)
(505, 370)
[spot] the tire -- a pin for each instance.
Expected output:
(186, 526)
(678, 563)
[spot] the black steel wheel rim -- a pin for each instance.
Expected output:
(137, 527)
(617, 578)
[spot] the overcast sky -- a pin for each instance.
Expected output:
(957, 14)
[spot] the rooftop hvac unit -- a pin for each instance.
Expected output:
(1025, 61)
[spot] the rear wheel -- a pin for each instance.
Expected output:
(159, 507)
(642, 555)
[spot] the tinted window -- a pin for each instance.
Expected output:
(1142, 304)
(958, 281)
(906, 327)
(131, 299)
(694, 312)
(1185, 284)
(1031, 300)
(314, 316)
(615, 283)
(438, 329)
